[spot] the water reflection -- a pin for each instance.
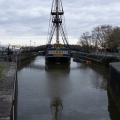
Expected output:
(48, 91)
(102, 84)
(56, 108)
(58, 86)
(100, 79)
(32, 65)
(97, 75)
(49, 67)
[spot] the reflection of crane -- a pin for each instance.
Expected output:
(56, 108)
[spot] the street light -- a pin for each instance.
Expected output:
(30, 42)
(34, 44)
(0, 46)
(8, 48)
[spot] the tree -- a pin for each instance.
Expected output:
(113, 39)
(85, 41)
(104, 36)
(100, 34)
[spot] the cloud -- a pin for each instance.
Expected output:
(31, 17)
(90, 13)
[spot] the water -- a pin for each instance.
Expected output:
(63, 92)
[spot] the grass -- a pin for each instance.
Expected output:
(1, 68)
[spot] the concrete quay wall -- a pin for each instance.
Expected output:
(104, 61)
(114, 83)
(93, 61)
(23, 58)
(8, 91)
(9, 87)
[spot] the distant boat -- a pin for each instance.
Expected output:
(57, 52)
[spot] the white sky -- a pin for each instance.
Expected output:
(25, 20)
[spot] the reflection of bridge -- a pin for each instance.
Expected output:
(34, 66)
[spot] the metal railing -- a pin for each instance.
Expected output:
(14, 97)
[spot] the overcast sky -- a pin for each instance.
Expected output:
(25, 20)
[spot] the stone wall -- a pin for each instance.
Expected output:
(114, 83)
(8, 91)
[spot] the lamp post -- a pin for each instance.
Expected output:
(8, 51)
(112, 46)
(34, 44)
(14, 48)
(8, 48)
(105, 46)
(0, 46)
(30, 42)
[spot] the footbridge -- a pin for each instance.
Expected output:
(43, 48)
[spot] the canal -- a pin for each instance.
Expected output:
(63, 92)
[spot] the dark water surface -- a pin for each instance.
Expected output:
(63, 92)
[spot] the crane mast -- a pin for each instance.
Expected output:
(57, 23)
(59, 52)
